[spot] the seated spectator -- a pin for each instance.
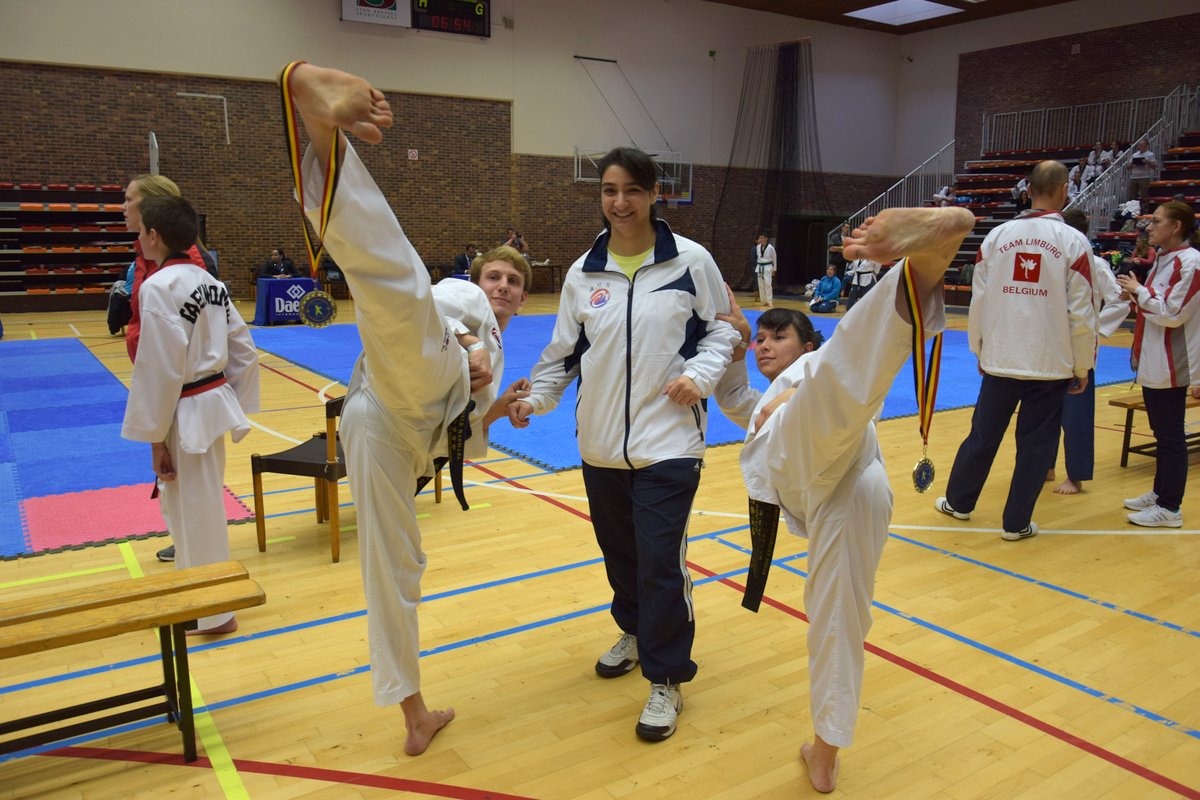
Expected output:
(946, 196)
(1108, 155)
(1094, 156)
(462, 261)
(1084, 171)
(824, 299)
(278, 266)
(1143, 166)
(1022, 186)
(1075, 187)
(1023, 201)
(1140, 260)
(516, 241)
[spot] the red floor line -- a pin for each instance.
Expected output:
(996, 705)
(289, 377)
(1069, 738)
(292, 771)
(551, 500)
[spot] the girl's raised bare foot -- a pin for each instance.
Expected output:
(329, 98)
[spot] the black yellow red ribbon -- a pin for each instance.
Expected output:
(925, 371)
(291, 133)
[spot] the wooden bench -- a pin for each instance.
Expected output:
(170, 602)
(1133, 402)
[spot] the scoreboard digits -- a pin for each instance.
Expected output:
(469, 17)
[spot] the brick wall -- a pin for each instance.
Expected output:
(1131, 61)
(67, 124)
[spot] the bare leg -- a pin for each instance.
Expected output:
(422, 724)
(928, 236)
(822, 761)
(1050, 475)
(329, 99)
(1069, 487)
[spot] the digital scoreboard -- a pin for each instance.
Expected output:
(470, 17)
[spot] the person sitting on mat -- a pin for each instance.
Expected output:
(825, 296)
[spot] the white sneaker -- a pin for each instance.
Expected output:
(620, 659)
(1142, 502)
(1029, 532)
(1156, 517)
(658, 717)
(942, 505)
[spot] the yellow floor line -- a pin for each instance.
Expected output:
(33, 334)
(218, 755)
(281, 539)
(130, 560)
(61, 576)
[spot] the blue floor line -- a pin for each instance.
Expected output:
(1020, 662)
(1051, 586)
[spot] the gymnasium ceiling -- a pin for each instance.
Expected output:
(903, 11)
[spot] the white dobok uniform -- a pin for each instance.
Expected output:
(410, 382)
(190, 331)
(818, 458)
(764, 269)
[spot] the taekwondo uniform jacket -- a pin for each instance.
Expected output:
(190, 330)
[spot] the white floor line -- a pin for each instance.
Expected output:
(277, 434)
(78, 335)
(324, 398)
(1064, 531)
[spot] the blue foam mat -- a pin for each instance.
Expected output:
(550, 440)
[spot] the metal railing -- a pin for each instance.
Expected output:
(1112, 121)
(1101, 199)
(914, 189)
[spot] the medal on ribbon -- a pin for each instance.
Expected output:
(925, 377)
(317, 308)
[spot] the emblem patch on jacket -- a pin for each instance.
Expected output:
(600, 297)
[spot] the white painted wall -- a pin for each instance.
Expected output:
(878, 113)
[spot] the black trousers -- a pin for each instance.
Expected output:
(1038, 420)
(1079, 432)
(640, 517)
(1166, 409)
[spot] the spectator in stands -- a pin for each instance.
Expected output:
(1143, 166)
(1107, 156)
(516, 241)
(946, 196)
(278, 266)
(1084, 171)
(1139, 261)
(1024, 202)
(1075, 186)
(1094, 157)
(462, 261)
(1166, 355)
(1022, 186)
(825, 296)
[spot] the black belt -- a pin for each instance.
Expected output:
(764, 526)
(456, 440)
(202, 382)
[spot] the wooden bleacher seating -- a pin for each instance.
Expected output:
(61, 247)
(170, 602)
(1132, 403)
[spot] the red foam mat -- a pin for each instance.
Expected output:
(96, 516)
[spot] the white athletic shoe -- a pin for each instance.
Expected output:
(1156, 517)
(1142, 502)
(942, 505)
(620, 659)
(658, 717)
(1029, 532)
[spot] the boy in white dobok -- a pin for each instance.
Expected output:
(195, 379)
(427, 351)
(811, 448)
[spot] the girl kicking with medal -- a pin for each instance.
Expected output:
(811, 447)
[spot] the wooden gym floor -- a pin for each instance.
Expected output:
(1066, 666)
